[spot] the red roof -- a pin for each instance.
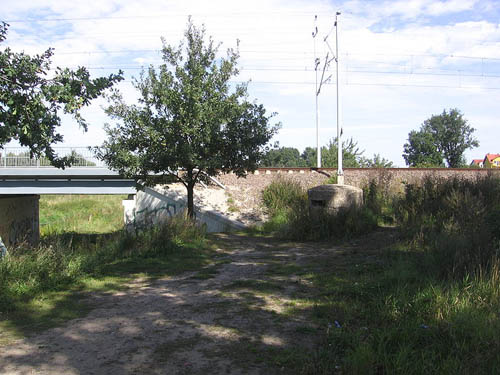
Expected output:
(492, 157)
(477, 161)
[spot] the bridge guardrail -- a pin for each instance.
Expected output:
(19, 157)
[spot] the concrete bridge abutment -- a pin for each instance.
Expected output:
(19, 219)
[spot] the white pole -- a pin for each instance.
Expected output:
(318, 149)
(340, 172)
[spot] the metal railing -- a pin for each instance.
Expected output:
(19, 157)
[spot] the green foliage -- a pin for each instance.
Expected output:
(282, 194)
(333, 179)
(421, 151)
(282, 157)
(287, 204)
(352, 157)
(86, 251)
(309, 156)
(64, 259)
(351, 154)
(376, 162)
(187, 117)
(446, 136)
(454, 221)
(80, 214)
(31, 103)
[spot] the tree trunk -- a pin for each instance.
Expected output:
(190, 195)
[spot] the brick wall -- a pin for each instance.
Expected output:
(248, 189)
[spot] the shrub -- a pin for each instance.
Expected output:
(61, 260)
(287, 204)
(283, 195)
(455, 221)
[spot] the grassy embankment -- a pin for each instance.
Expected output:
(425, 303)
(83, 249)
(420, 298)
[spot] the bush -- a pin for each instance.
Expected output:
(455, 221)
(287, 204)
(283, 195)
(61, 260)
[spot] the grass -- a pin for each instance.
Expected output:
(371, 310)
(83, 250)
(286, 202)
(384, 305)
(80, 214)
(426, 304)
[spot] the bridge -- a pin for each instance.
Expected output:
(23, 179)
(20, 174)
(27, 180)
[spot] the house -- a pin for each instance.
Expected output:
(492, 161)
(477, 163)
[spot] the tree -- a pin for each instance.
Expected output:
(376, 162)
(282, 157)
(30, 103)
(351, 154)
(421, 150)
(446, 136)
(309, 156)
(187, 118)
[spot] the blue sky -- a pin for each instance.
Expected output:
(401, 61)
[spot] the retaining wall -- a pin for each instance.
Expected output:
(248, 190)
(149, 208)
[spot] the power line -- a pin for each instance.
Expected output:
(458, 73)
(303, 53)
(169, 15)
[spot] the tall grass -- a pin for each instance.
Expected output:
(83, 236)
(429, 304)
(80, 213)
(455, 222)
(287, 205)
(27, 272)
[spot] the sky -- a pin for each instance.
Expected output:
(400, 61)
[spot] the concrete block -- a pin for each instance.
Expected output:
(334, 198)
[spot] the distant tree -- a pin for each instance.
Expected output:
(308, 156)
(442, 137)
(31, 103)
(187, 118)
(376, 162)
(351, 154)
(421, 150)
(281, 157)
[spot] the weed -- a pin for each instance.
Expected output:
(454, 222)
(287, 204)
(38, 284)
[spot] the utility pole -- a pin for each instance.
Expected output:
(316, 93)
(318, 86)
(340, 172)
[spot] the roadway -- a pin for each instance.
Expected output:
(48, 180)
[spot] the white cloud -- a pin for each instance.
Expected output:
(277, 48)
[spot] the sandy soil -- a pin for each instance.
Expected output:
(230, 202)
(188, 324)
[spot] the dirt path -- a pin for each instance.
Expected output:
(231, 318)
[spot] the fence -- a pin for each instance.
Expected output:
(19, 157)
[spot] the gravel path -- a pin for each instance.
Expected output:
(188, 324)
